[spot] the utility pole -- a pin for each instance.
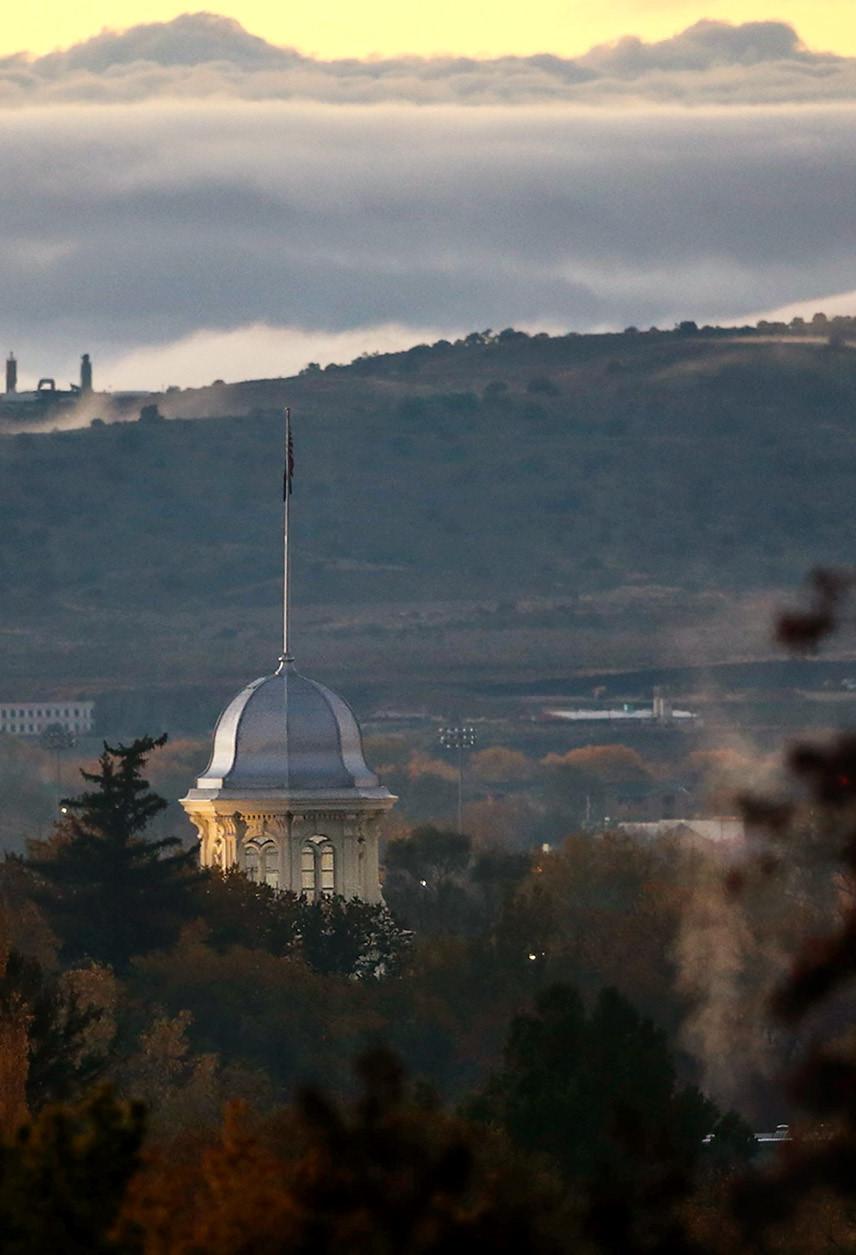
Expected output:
(459, 737)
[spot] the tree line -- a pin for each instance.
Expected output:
(502, 1056)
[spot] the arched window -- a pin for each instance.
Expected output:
(270, 865)
(251, 862)
(317, 868)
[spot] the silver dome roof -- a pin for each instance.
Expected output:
(285, 733)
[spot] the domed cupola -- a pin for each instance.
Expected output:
(287, 734)
(287, 796)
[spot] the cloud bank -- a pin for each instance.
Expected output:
(181, 239)
(203, 56)
(127, 226)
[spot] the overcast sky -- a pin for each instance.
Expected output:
(188, 202)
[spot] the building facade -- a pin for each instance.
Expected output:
(33, 718)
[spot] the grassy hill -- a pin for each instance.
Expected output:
(501, 505)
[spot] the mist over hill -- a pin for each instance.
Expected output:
(486, 507)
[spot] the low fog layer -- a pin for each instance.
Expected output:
(205, 55)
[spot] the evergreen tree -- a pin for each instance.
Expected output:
(596, 1092)
(109, 893)
(592, 1088)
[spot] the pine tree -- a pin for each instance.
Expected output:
(109, 893)
(575, 1081)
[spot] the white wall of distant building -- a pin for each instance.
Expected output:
(32, 718)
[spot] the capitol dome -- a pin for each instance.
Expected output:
(287, 797)
(286, 734)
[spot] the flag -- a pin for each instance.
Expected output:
(288, 474)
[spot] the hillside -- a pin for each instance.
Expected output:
(515, 504)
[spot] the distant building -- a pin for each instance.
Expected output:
(47, 397)
(32, 718)
(725, 829)
(389, 714)
(626, 714)
(661, 711)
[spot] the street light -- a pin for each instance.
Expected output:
(459, 737)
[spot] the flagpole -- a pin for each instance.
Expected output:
(286, 510)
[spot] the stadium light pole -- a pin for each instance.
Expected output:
(459, 737)
(57, 738)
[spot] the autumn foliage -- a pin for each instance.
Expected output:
(562, 1048)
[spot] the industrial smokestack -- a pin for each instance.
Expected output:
(85, 373)
(11, 373)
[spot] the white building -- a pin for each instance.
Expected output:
(724, 829)
(288, 797)
(32, 718)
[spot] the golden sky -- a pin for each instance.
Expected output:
(335, 28)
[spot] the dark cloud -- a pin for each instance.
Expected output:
(705, 46)
(202, 55)
(122, 226)
(191, 39)
(136, 213)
